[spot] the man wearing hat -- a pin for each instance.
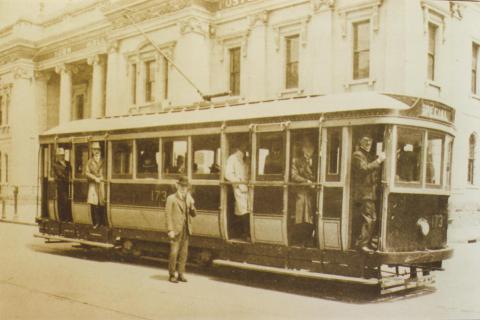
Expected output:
(303, 172)
(365, 170)
(61, 174)
(96, 187)
(179, 210)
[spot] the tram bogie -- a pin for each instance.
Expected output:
(308, 226)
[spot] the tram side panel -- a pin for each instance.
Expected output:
(416, 222)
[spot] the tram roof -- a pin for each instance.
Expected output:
(242, 111)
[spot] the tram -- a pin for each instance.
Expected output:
(140, 152)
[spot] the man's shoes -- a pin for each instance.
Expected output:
(96, 226)
(181, 278)
(172, 279)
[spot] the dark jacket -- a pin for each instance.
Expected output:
(179, 212)
(365, 172)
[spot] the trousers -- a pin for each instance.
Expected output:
(178, 252)
(368, 214)
(99, 216)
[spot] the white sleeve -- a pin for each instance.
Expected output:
(230, 170)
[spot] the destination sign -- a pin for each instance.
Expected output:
(225, 4)
(432, 111)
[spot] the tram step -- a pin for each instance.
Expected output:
(296, 273)
(72, 240)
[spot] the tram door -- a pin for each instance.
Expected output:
(377, 134)
(62, 173)
(237, 168)
(45, 188)
(333, 177)
(303, 188)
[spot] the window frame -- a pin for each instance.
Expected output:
(150, 68)
(133, 83)
(146, 176)
(205, 176)
(121, 176)
(475, 85)
(76, 176)
(472, 150)
(288, 62)
(415, 184)
(442, 160)
(271, 176)
(233, 72)
(168, 175)
(432, 51)
(356, 52)
(329, 176)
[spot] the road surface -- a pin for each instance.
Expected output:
(57, 281)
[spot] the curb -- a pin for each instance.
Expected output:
(18, 222)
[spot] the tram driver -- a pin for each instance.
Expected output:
(365, 171)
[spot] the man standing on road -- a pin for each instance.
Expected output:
(365, 172)
(180, 208)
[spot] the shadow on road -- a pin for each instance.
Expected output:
(329, 290)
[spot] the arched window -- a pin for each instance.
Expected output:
(472, 149)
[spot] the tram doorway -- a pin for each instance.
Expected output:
(62, 175)
(364, 190)
(237, 175)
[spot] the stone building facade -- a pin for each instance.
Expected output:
(91, 61)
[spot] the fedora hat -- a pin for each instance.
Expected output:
(183, 181)
(60, 152)
(96, 145)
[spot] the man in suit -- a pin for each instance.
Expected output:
(365, 170)
(303, 172)
(180, 208)
(61, 174)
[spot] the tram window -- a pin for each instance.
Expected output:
(174, 156)
(334, 154)
(122, 159)
(206, 156)
(45, 153)
(81, 159)
(270, 155)
(434, 158)
(409, 155)
(304, 153)
(147, 158)
(448, 165)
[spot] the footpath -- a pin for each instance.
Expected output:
(25, 213)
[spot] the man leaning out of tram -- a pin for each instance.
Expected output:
(365, 171)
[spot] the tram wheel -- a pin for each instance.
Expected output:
(204, 258)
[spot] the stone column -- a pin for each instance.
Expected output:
(98, 85)
(112, 85)
(41, 81)
(65, 111)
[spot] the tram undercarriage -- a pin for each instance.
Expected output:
(387, 272)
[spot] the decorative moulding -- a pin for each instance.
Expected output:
(299, 26)
(371, 10)
(318, 5)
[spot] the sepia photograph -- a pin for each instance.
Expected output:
(239, 159)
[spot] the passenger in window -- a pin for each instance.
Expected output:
(179, 210)
(180, 167)
(214, 168)
(96, 187)
(236, 171)
(274, 160)
(303, 172)
(365, 171)
(61, 174)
